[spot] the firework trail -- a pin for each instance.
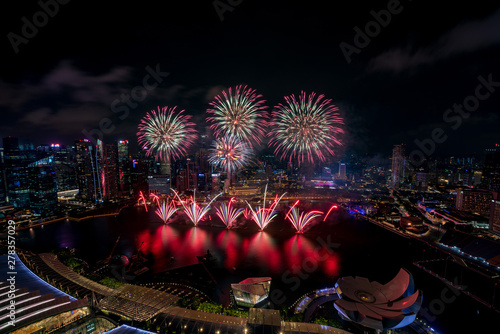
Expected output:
(294, 204)
(263, 216)
(228, 214)
(195, 212)
(247, 213)
(166, 210)
(306, 129)
(239, 113)
(334, 206)
(229, 153)
(301, 220)
(156, 198)
(165, 133)
(142, 199)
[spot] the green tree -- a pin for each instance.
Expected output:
(110, 282)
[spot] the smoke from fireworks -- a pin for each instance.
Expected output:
(301, 220)
(229, 153)
(165, 133)
(166, 210)
(228, 214)
(263, 216)
(194, 211)
(240, 112)
(307, 128)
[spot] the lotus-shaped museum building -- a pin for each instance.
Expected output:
(378, 306)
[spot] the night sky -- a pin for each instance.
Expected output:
(66, 77)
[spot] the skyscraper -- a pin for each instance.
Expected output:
(64, 166)
(342, 171)
(87, 168)
(421, 180)
(43, 187)
(474, 200)
(124, 165)
(398, 166)
(495, 215)
(109, 171)
(491, 169)
(18, 154)
(3, 190)
(139, 171)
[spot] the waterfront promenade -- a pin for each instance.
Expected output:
(140, 303)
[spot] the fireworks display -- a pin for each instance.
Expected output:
(247, 213)
(194, 211)
(227, 213)
(143, 200)
(306, 129)
(166, 210)
(334, 206)
(155, 198)
(165, 133)
(300, 220)
(263, 216)
(294, 204)
(239, 112)
(229, 153)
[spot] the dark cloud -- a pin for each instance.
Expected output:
(69, 120)
(465, 37)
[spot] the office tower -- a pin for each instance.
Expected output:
(478, 175)
(203, 169)
(181, 180)
(109, 171)
(18, 154)
(159, 184)
(124, 169)
(192, 175)
(421, 180)
(342, 171)
(3, 189)
(326, 173)
(43, 187)
(495, 214)
(398, 166)
(474, 200)
(215, 188)
(87, 170)
(64, 166)
(139, 171)
(491, 169)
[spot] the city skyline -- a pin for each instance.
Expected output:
(401, 83)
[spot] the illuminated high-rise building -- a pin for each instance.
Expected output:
(421, 180)
(18, 154)
(3, 190)
(495, 214)
(139, 171)
(342, 171)
(43, 187)
(191, 174)
(109, 171)
(474, 200)
(491, 169)
(87, 168)
(64, 166)
(124, 169)
(398, 166)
